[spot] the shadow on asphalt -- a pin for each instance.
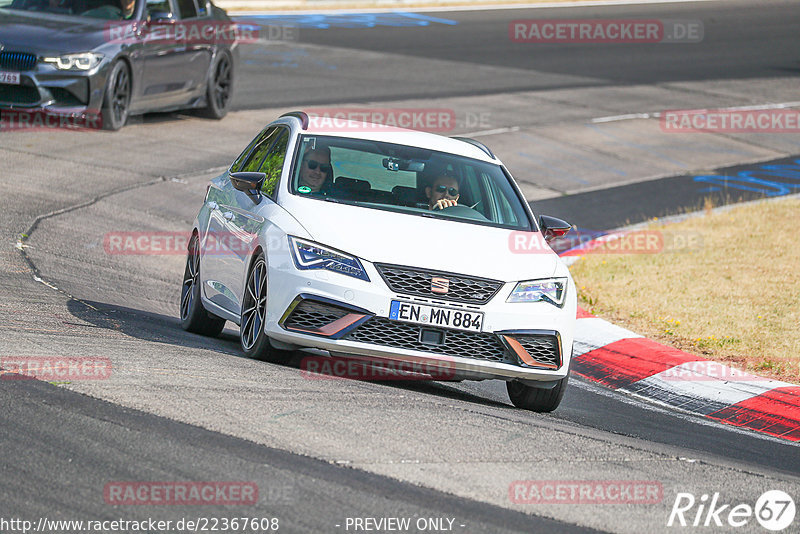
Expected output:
(159, 328)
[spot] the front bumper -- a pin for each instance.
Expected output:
(506, 349)
(44, 88)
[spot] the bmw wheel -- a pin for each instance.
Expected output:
(220, 88)
(117, 99)
(194, 317)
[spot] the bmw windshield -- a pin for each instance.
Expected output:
(406, 179)
(95, 9)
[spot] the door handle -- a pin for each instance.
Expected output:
(228, 215)
(212, 205)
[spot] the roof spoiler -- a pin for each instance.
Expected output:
(477, 144)
(302, 115)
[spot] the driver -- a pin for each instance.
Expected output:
(123, 10)
(316, 171)
(443, 192)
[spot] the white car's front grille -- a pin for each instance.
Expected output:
(310, 314)
(543, 349)
(420, 282)
(531, 350)
(381, 331)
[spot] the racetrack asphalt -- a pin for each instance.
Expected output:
(181, 407)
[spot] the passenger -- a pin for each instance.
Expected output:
(443, 192)
(316, 171)
(127, 9)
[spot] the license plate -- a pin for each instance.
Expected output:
(410, 312)
(11, 78)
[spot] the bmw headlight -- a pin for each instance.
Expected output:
(85, 61)
(552, 290)
(310, 255)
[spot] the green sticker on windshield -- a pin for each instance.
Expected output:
(303, 189)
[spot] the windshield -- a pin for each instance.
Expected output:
(97, 9)
(406, 179)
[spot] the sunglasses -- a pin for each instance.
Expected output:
(324, 167)
(452, 191)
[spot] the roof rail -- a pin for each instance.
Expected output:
(477, 144)
(302, 115)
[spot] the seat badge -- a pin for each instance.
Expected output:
(440, 286)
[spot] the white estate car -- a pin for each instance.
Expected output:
(385, 245)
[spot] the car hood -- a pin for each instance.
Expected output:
(462, 248)
(48, 34)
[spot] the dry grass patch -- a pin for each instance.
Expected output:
(726, 287)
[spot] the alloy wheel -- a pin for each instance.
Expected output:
(121, 96)
(255, 305)
(222, 83)
(190, 278)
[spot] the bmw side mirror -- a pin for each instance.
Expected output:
(553, 228)
(250, 183)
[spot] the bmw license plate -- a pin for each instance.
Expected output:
(457, 319)
(11, 78)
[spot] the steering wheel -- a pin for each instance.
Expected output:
(464, 211)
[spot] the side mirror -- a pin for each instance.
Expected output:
(553, 228)
(250, 183)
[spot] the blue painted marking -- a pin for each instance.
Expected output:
(757, 180)
(397, 19)
(428, 18)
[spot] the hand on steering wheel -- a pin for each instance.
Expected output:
(443, 203)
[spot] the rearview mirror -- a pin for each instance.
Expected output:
(161, 17)
(553, 228)
(397, 164)
(249, 182)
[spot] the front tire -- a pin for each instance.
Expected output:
(117, 99)
(255, 343)
(536, 399)
(220, 88)
(194, 317)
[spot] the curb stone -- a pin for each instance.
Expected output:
(623, 360)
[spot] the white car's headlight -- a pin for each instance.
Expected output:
(552, 290)
(310, 255)
(85, 61)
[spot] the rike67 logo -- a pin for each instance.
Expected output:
(774, 510)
